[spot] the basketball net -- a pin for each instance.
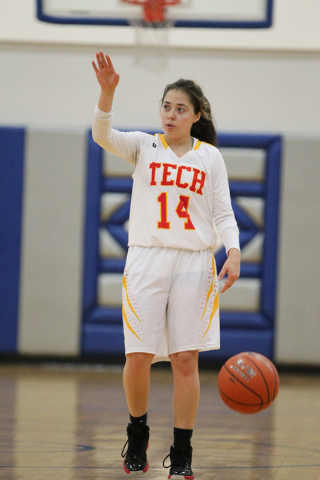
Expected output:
(151, 30)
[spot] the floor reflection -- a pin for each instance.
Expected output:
(62, 422)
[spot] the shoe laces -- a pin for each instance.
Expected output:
(124, 453)
(135, 447)
(180, 459)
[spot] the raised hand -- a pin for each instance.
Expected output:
(107, 77)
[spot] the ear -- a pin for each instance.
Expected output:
(197, 117)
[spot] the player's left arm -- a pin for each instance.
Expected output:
(226, 223)
(231, 268)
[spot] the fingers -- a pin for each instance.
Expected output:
(233, 272)
(225, 287)
(108, 61)
(103, 61)
(223, 272)
(95, 67)
(221, 275)
(99, 61)
(230, 281)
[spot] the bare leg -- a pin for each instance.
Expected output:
(186, 388)
(136, 381)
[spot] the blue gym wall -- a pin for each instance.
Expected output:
(34, 279)
(11, 199)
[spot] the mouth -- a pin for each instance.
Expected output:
(169, 125)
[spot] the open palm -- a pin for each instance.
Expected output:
(107, 77)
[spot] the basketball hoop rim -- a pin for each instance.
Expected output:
(154, 14)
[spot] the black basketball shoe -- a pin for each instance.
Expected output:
(180, 464)
(135, 457)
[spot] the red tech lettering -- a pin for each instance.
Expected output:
(167, 173)
(154, 167)
(198, 181)
(179, 174)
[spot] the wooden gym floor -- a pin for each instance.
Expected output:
(68, 422)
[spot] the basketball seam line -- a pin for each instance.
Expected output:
(246, 386)
(265, 382)
(243, 404)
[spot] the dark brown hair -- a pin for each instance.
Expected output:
(203, 129)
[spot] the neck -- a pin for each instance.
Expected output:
(179, 143)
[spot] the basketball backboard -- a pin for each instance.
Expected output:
(188, 14)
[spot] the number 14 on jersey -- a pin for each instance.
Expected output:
(181, 211)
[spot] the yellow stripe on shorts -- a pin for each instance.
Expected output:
(213, 267)
(214, 309)
(124, 283)
(211, 286)
(208, 296)
(128, 324)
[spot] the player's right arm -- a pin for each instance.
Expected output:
(124, 144)
(108, 79)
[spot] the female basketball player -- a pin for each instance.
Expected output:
(170, 285)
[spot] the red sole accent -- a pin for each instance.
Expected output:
(128, 471)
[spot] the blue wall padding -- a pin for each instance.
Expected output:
(112, 315)
(271, 221)
(251, 270)
(108, 315)
(239, 140)
(243, 220)
(108, 339)
(121, 215)
(117, 184)
(248, 189)
(243, 320)
(236, 341)
(120, 235)
(12, 142)
(112, 265)
(103, 339)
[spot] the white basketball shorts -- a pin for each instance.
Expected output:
(170, 301)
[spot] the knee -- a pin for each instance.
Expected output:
(185, 363)
(139, 361)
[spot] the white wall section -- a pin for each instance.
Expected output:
(52, 256)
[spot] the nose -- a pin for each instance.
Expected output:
(171, 113)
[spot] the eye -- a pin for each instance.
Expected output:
(180, 109)
(165, 107)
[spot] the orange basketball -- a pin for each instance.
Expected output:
(248, 382)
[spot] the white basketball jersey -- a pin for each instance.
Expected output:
(174, 200)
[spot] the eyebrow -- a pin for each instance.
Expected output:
(181, 104)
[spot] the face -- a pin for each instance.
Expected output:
(177, 115)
